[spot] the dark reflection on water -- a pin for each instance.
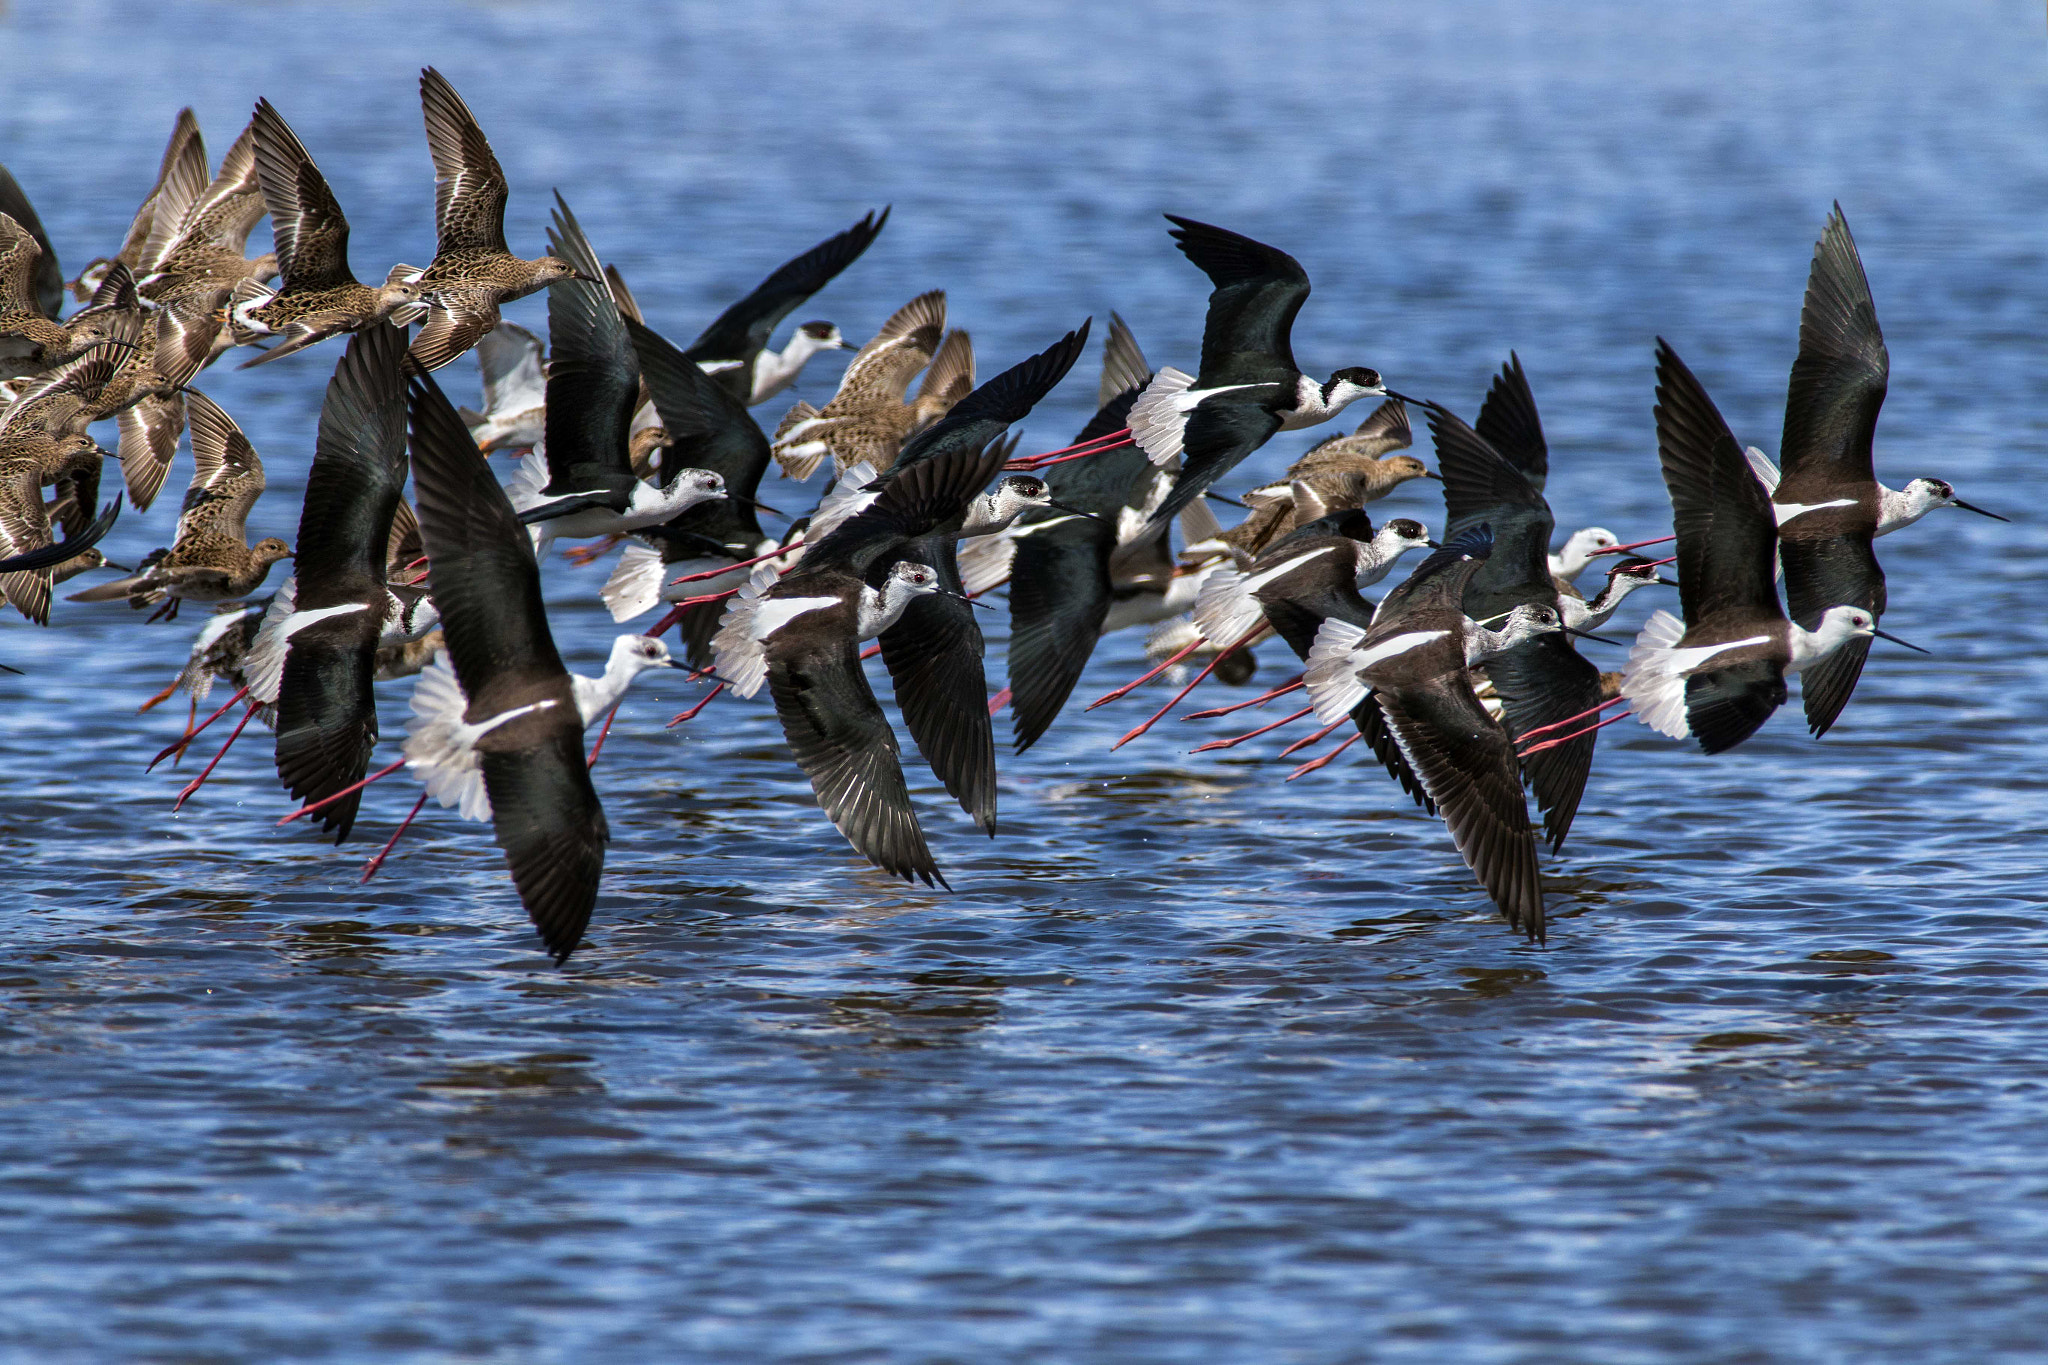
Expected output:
(1194, 1065)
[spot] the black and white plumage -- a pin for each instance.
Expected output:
(1720, 673)
(1827, 501)
(1248, 385)
(592, 390)
(1543, 680)
(1311, 576)
(498, 727)
(1414, 659)
(802, 637)
(326, 638)
(735, 346)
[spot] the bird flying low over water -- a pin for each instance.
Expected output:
(1248, 385)
(473, 271)
(1720, 673)
(1414, 660)
(320, 296)
(1828, 503)
(498, 728)
(867, 420)
(735, 345)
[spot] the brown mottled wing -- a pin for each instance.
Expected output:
(180, 184)
(469, 186)
(1467, 764)
(185, 333)
(306, 223)
(46, 280)
(19, 256)
(456, 323)
(149, 442)
(24, 526)
(184, 139)
(227, 477)
(949, 378)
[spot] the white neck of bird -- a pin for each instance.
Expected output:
(1811, 646)
(1482, 644)
(1376, 557)
(777, 370)
(1896, 508)
(1312, 405)
(1594, 614)
(882, 608)
(595, 696)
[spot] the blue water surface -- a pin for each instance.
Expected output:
(1194, 1065)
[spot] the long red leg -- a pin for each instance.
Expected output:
(165, 695)
(1569, 720)
(1300, 744)
(1581, 734)
(598, 747)
(1109, 440)
(326, 801)
(196, 782)
(1293, 686)
(191, 735)
(1253, 734)
(999, 701)
(1160, 714)
(691, 714)
(1322, 762)
(741, 564)
(370, 868)
(1137, 683)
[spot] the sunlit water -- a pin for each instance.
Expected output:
(1193, 1065)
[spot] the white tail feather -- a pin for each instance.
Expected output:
(1331, 674)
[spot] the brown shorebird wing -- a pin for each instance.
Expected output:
(1123, 364)
(227, 476)
(179, 151)
(843, 743)
(24, 526)
(458, 321)
(1839, 378)
(550, 824)
(185, 333)
(469, 186)
(949, 378)
(63, 399)
(1726, 530)
(404, 545)
(629, 307)
(1467, 764)
(742, 330)
(46, 292)
(19, 258)
(934, 655)
(180, 186)
(306, 222)
(233, 204)
(149, 441)
(1509, 423)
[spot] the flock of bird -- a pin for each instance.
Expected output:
(1465, 680)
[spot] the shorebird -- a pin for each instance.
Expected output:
(31, 341)
(1720, 673)
(1413, 659)
(43, 441)
(146, 396)
(181, 177)
(1581, 548)
(74, 546)
(1343, 472)
(1311, 576)
(204, 257)
(320, 296)
(735, 346)
(899, 544)
(473, 271)
(1248, 386)
(498, 721)
(320, 638)
(1583, 614)
(708, 428)
(593, 387)
(1829, 505)
(513, 362)
(209, 559)
(1543, 679)
(46, 277)
(867, 420)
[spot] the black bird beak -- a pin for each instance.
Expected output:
(1887, 635)
(1214, 496)
(1967, 507)
(1432, 545)
(587, 279)
(10, 668)
(1432, 474)
(1587, 635)
(1415, 402)
(1074, 510)
(985, 606)
(758, 505)
(117, 568)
